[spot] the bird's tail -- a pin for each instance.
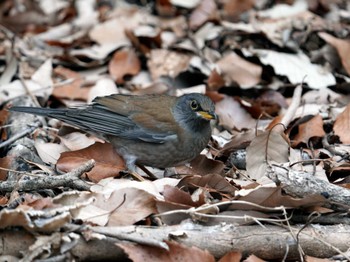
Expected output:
(37, 110)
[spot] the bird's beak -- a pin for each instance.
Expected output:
(208, 115)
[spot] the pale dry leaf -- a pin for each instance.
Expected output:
(342, 126)
(279, 11)
(205, 11)
(232, 115)
(163, 62)
(76, 141)
(234, 68)
(40, 84)
(193, 89)
(297, 68)
(49, 152)
(189, 4)
(266, 148)
(103, 87)
(108, 185)
(123, 207)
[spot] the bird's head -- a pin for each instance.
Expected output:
(194, 110)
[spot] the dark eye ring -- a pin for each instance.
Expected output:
(194, 105)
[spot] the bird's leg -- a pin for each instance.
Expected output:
(148, 173)
(131, 168)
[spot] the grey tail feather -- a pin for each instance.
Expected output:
(37, 110)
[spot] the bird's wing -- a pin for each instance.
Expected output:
(116, 115)
(146, 118)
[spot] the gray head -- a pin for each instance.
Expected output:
(194, 111)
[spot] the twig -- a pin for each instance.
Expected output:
(289, 115)
(70, 179)
(136, 239)
(19, 135)
(302, 184)
(34, 99)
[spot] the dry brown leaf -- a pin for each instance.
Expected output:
(121, 207)
(311, 129)
(4, 114)
(342, 46)
(73, 90)
(144, 38)
(342, 125)
(273, 197)
(175, 218)
(234, 8)
(177, 252)
(253, 258)
(4, 163)
(108, 162)
(175, 195)
(315, 259)
(235, 69)
(130, 206)
(266, 148)
(124, 63)
(212, 182)
(201, 166)
(215, 81)
(231, 256)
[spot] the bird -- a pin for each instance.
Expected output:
(152, 130)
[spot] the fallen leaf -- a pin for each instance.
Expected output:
(108, 162)
(342, 46)
(253, 258)
(235, 69)
(74, 89)
(297, 68)
(49, 152)
(125, 63)
(124, 206)
(266, 148)
(342, 125)
(4, 163)
(205, 11)
(76, 141)
(232, 9)
(231, 256)
(232, 115)
(163, 62)
(311, 129)
(268, 196)
(176, 252)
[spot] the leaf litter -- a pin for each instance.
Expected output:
(248, 56)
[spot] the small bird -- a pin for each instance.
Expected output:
(151, 130)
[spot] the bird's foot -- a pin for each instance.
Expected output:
(134, 174)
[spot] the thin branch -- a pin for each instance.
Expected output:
(70, 179)
(19, 135)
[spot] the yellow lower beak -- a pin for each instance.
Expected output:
(207, 115)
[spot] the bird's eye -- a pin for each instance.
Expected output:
(194, 105)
